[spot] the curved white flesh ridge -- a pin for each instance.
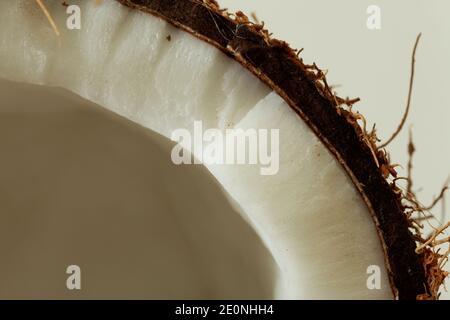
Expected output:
(309, 215)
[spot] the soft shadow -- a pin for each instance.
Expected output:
(82, 186)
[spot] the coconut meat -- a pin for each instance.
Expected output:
(309, 215)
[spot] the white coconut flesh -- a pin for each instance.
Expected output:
(160, 230)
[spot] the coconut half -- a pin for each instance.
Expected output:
(326, 216)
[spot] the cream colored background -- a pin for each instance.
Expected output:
(375, 65)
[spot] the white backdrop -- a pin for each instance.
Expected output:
(375, 66)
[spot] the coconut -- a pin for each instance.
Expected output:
(327, 215)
